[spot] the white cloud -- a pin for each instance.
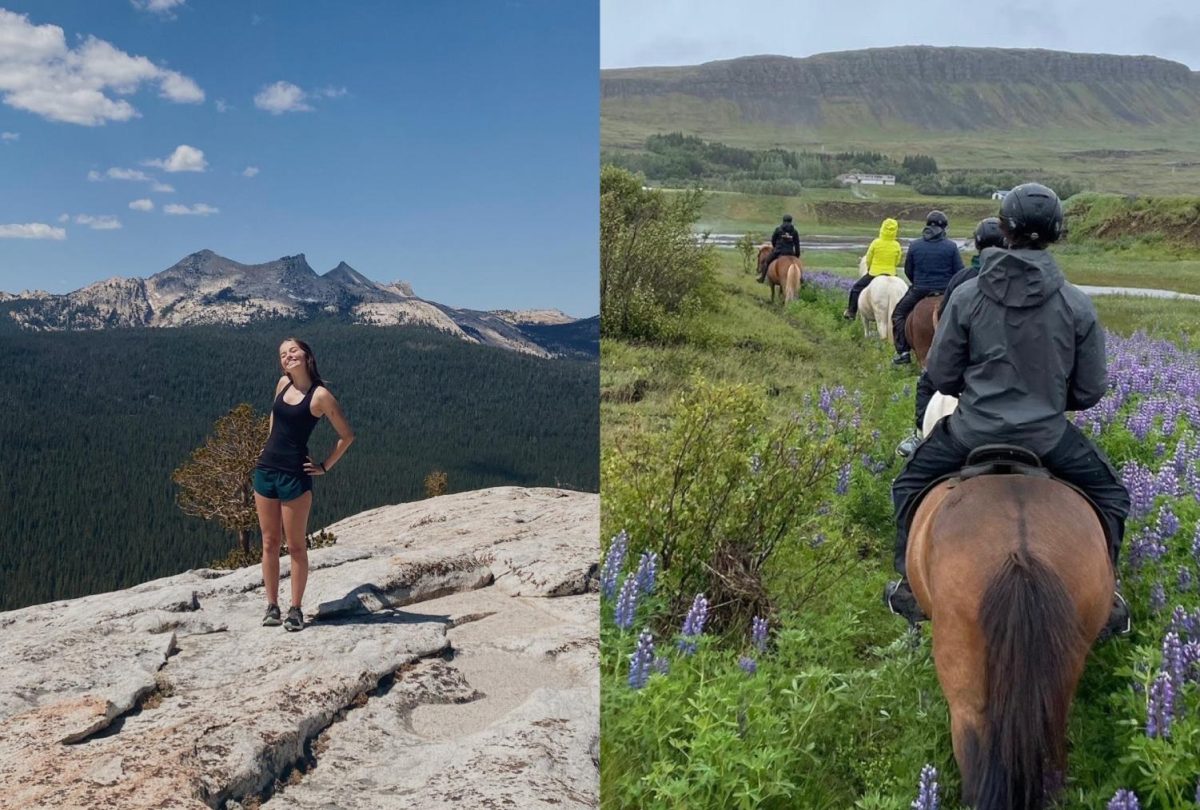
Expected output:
(41, 74)
(95, 176)
(117, 173)
(157, 6)
(332, 92)
(163, 188)
(221, 105)
(142, 205)
(199, 209)
(184, 159)
(32, 230)
(64, 217)
(101, 223)
(10, 136)
(179, 88)
(282, 97)
(249, 171)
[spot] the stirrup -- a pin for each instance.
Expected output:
(1124, 619)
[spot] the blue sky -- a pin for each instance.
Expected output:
(450, 144)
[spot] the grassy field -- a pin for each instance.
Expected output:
(843, 708)
(1159, 160)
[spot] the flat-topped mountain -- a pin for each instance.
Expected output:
(206, 288)
(928, 88)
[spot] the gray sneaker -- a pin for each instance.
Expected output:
(272, 617)
(295, 620)
(908, 445)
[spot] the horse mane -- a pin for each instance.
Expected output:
(1032, 631)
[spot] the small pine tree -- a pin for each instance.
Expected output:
(436, 484)
(214, 483)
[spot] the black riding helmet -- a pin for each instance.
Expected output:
(937, 218)
(988, 234)
(1032, 211)
(787, 218)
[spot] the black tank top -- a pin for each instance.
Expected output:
(287, 446)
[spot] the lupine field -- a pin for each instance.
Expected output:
(747, 658)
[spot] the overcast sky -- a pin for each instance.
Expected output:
(687, 32)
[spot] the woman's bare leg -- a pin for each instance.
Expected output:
(270, 518)
(295, 526)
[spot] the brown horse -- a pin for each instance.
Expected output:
(1013, 571)
(785, 273)
(919, 326)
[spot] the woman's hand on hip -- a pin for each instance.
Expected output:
(312, 468)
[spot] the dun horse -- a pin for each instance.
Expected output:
(785, 273)
(1013, 571)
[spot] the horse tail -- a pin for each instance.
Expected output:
(1032, 634)
(793, 282)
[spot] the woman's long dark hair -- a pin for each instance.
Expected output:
(310, 361)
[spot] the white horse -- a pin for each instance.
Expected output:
(878, 301)
(940, 406)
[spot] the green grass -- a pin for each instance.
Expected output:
(842, 712)
(1154, 159)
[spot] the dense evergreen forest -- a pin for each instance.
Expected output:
(94, 423)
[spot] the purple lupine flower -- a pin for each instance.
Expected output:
(1185, 578)
(1167, 524)
(1139, 481)
(1124, 800)
(626, 603)
(693, 624)
(1160, 709)
(1196, 545)
(817, 540)
(1172, 660)
(758, 634)
(843, 482)
(756, 464)
(614, 561)
(748, 665)
(640, 660)
(1146, 546)
(661, 665)
(1191, 661)
(1158, 597)
(928, 791)
(1179, 620)
(647, 570)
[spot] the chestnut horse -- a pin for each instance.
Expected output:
(1014, 573)
(918, 327)
(785, 273)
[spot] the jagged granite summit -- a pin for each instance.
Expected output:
(205, 288)
(452, 660)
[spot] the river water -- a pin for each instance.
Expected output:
(829, 242)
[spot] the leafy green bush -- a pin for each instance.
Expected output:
(724, 488)
(653, 274)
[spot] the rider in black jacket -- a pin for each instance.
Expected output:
(785, 241)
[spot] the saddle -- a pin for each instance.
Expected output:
(1004, 459)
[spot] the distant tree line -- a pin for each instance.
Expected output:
(678, 160)
(95, 423)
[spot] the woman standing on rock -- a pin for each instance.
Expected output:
(283, 476)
